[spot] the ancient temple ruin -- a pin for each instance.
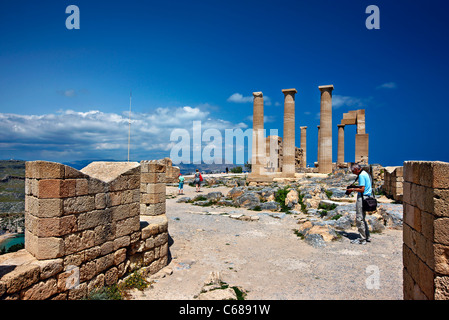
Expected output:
(276, 157)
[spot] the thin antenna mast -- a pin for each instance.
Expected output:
(129, 122)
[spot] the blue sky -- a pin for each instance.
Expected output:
(64, 94)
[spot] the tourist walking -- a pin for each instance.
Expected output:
(197, 180)
(181, 184)
(363, 190)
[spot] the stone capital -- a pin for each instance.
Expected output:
(258, 94)
(326, 88)
(341, 125)
(302, 127)
(289, 91)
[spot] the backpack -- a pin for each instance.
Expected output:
(201, 177)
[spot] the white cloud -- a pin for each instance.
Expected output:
(339, 101)
(266, 119)
(388, 85)
(73, 135)
(239, 98)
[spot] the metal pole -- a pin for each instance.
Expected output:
(129, 122)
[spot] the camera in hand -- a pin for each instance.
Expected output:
(348, 190)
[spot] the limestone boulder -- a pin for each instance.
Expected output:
(236, 192)
(248, 200)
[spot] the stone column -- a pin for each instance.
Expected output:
(319, 138)
(325, 159)
(341, 144)
(304, 145)
(361, 148)
(288, 166)
(258, 147)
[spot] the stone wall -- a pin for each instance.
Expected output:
(393, 182)
(86, 229)
(426, 230)
(275, 159)
(171, 172)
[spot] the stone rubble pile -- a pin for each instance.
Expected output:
(323, 212)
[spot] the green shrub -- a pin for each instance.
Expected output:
(281, 194)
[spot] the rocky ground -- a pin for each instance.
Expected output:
(218, 250)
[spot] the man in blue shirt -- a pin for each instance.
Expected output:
(364, 188)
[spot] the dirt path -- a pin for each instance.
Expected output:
(268, 260)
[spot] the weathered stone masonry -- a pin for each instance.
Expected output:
(426, 230)
(86, 229)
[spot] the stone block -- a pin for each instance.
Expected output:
(91, 253)
(87, 271)
(92, 219)
(424, 249)
(152, 209)
(49, 188)
(82, 187)
(434, 174)
(122, 242)
(97, 186)
(440, 203)
(412, 216)
(148, 257)
(441, 253)
(120, 212)
(441, 231)
(152, 198)
(78, 204)
(79, 241)
(111, 276)
(442, 288)
(51, 227)
(412, 171)
(21, 277)
(119, 256)
(409, 237)
(127, 196)
(134, 181)
(156, 188)
(156, 167)
(427, 221)
(43, 208)
(407, 286)
(68, 188)
(115, 198)
(44, 248)
(100, 200)
(127, 226)
(119, 184)
(78, 292)
(44, 170)
(49, 268)
(426, 280)
(41, 290)
(104, 232)
(407, 191)
(152, 178)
